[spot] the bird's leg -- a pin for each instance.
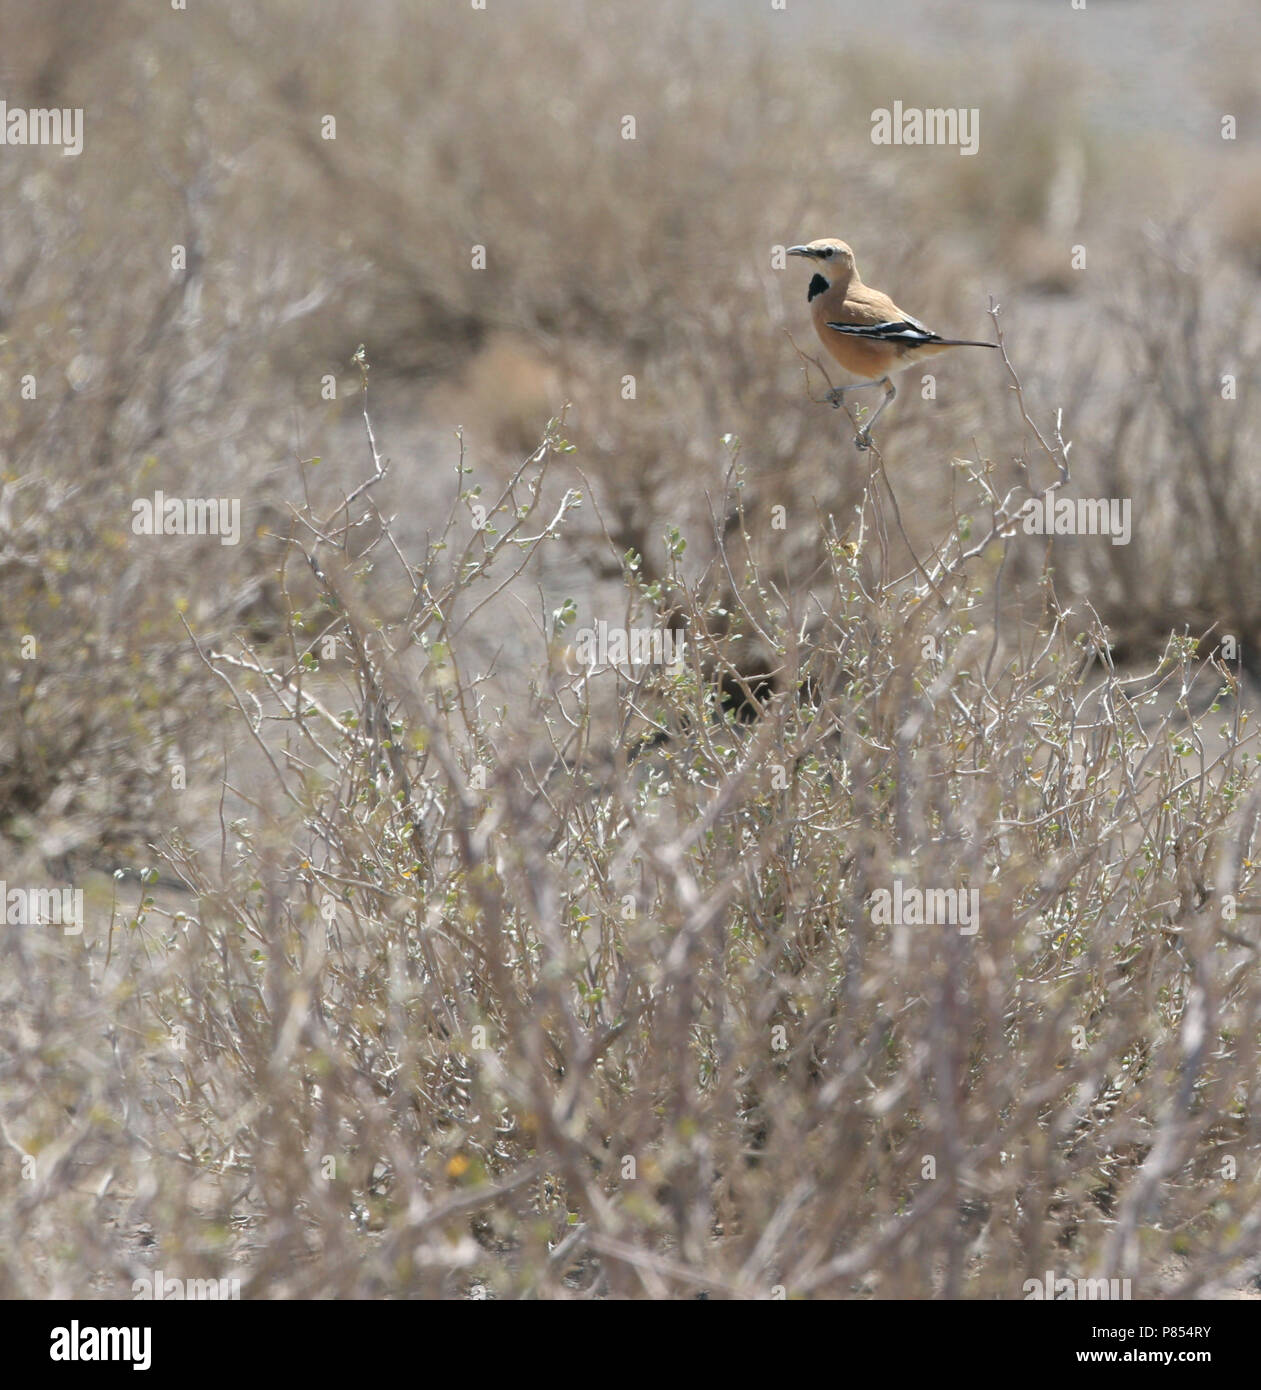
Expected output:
(836, 396)
(863, 438)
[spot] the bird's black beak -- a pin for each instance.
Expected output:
(802, 251)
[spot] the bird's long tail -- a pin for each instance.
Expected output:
(963, 342)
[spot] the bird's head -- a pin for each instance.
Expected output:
(831, 258)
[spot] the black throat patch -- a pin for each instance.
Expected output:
(817, 286)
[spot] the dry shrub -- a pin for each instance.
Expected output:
(472, 1000)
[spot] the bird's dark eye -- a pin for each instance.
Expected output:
(829, 252)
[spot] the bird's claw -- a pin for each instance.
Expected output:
(862, 442)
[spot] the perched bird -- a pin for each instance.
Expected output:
(862, 328)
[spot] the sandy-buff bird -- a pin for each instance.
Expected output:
(863, 329)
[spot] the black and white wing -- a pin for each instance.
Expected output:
(909, 332)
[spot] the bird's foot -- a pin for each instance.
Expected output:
(862, 440)
(835, 397)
